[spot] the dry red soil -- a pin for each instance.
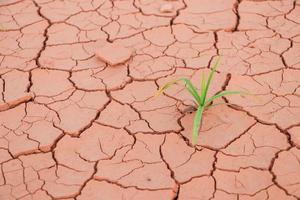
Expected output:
(78, 116)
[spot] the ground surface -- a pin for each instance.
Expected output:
(74, 127)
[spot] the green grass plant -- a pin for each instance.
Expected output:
(203, 102)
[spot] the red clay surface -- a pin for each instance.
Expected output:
(79, 120)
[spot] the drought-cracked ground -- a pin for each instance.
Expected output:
(73, 126)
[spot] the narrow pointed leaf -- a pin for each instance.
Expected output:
(211, 74)
(192, 89)
(166, 86)
(203, 85)
(221, 94)
(197, 124)
(188, 85)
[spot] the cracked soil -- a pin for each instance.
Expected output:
(78, 116)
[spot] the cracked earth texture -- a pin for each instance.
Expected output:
(78, 117)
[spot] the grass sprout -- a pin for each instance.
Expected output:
(200, 97)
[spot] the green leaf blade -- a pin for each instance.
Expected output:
(188, 85)
(203, 86)
(210, 77)
(197, 124)
(222, 94)
(192, 89)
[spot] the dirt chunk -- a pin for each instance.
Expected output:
(113, 54)
(166, 8)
